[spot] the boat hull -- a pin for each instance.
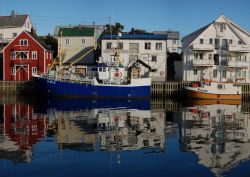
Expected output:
(202, 95)
(60, 88)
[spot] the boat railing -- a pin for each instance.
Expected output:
(77, 80)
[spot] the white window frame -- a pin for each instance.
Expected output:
(25, 53)
(13, 70)
(158, 46)
(83, 41)
(109, 45)
(14, 35)
(67, 41)
(24, 42)
(34, 70)
(147, 45)
(34, 55)
(154, 58)
(12, 55)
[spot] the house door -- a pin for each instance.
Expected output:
(22, 73)
(216, 59)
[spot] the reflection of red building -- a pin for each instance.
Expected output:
(23, 126)
(24, 57)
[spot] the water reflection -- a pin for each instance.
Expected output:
(217, 133)
(20, 129)
(161, 131)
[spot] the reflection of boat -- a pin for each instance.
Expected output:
(213, 101)
(214, 90)
(71, 104)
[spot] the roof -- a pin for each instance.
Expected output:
(39, 40)
(196, 33)
(76, 31)
(137, 36)
(12, 21)
(82, 58)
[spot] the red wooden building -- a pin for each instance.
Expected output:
(25, 56)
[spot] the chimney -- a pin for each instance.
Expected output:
(13, 14)
(33, 31)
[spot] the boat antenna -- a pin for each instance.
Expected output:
(60, 50)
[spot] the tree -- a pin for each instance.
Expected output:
(51, 42)
(113, 29)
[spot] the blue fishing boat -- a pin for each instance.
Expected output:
(111, 81)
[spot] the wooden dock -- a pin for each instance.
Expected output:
(15, 87)
(177, 88)
(158, 89)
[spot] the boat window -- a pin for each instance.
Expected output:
(100, 69)
(220, 86)
(104, 69)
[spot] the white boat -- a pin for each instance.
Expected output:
(214, 90)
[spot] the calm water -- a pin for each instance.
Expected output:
(68, 137)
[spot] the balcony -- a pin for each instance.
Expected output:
(205, 47)
(204, 62)
(238, 48)
(237, 64)
(21, 47)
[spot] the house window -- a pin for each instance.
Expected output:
(34, 54)
(210, 56)
(13, 70)
(217, 43)
(120, 45)
(195, 71)
(109, 45)
(133, 58)
(244, 73)
(240, 42)
(201, 41)
(196, 55)
(67, 41)
(147, 46)
(214, 73)
(14, 35)
(238, 73)
(158, 46)
(154, 58)
(12, 55)
(224, 74)
(201, 56)
(34, 70)
(1, 36)
(134, 47)
(23, 55)
(83, 41)
(230, 41)
(210, 41)
(24, 42)
(222, 27)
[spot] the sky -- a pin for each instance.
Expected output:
(184, 16)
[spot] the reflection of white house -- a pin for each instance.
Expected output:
(11, 26)
(218, 51)
(114, 129)
(133, 129)
(218, 134)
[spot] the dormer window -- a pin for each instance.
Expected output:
(24, 42)
(222, 27)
